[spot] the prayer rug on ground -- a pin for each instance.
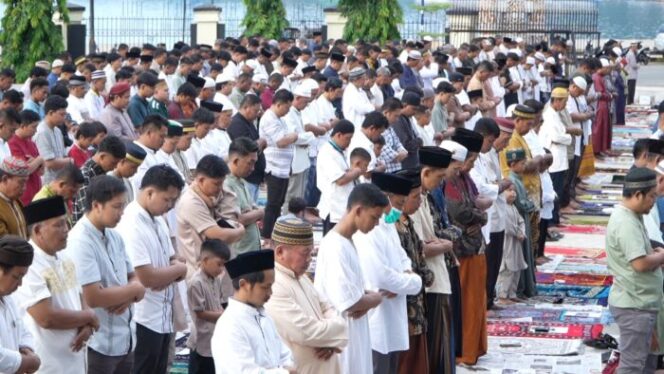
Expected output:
(517, 312)
(574, 252)
(572, 301)
(576, 219)
(575, 279)
(549, 330)
(588, 315)
(567, 290)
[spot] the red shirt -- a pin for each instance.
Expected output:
(78, 155)
(26, 149)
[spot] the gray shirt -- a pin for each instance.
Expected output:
(101, 257)
(118, 123)
(51, 146)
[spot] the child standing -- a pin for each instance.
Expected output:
(85, 135)
(204, 296)
(22, 146)
(512, 263)
(516, 160)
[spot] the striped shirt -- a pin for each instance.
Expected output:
(278, 160)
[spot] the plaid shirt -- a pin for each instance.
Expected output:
(391, 150)
(89, 170)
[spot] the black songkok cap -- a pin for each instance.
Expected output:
(470, 139)
(435, 157)
(391, 183)
(250, 262)
(44, 209)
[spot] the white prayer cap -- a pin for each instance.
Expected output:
(273, 43)
(550, 60)
(516, 51)
(302, 90)
(540, 56)
(209, 83)
(259, 78)
(605, 62)
(57, 63)
(458, 151)
(519, 40)
(310, 84)
(580, 82)
(530, 61)
(617, 51)
(43, 64)
(660, 168)
(427, 39)
(437, 81)
(224, 78)
(509, 111)
(415, 55)
(252, 64)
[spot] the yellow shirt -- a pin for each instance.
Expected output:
(530, 180)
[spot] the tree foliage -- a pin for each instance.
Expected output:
(29, 34)
(264, 17)
(371, 20)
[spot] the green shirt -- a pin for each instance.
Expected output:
(157, 107)
(626, 240)
(251, 241)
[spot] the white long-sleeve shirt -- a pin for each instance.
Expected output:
(13, 335)
(632, 65)
(384, 263)
(356, 105)
(245, 340)
(553, 136)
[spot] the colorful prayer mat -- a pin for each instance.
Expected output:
(530, 346)
(584, 229)
(574, 252)
(550, 330)
(578, 279)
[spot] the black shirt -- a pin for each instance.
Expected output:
(239, 127)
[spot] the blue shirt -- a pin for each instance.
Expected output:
(138, 109)
(28, 104)
(101, 258)
(409, 78)
(52, 80)
(330, 73)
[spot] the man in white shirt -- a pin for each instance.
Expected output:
(148, 244)
(632, 71)
(76, 107)
(555, 136)
(321, 112)
(57, 316)
(339, 275)
(203, 121)
(355, 102)
(297, 182)
(94, 100)
(217, 140)
(337, 178)
(153, 132)
(245, 339)
(9, 122)
(491, 185)
(387, 269)
(582, 115)
(114, 64)
(373, 126)
(16, 344)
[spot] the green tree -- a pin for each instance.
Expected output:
(371, 19)
(29, 34)
(264, 17)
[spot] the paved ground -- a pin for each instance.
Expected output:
(651, 81)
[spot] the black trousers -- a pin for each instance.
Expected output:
(558, 179)
(631, 91)
(151, 354)
(543, 227)
(494, 256)
(200, 364)
(276, 195)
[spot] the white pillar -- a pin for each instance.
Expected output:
(207, 19)
(75, 18)
(335, 23)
